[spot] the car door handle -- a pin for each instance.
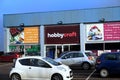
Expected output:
(29, 67)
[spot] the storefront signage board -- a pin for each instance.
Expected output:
(63, 34)
(103, 31)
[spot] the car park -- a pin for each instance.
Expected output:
(9, 56)
(77, 59)
(39, 68)
(108, 63)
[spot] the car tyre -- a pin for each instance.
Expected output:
(86, 66)
(15, 77)
(57, 77)
(104, 73)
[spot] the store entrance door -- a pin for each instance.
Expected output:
(50, 51)
(54, 51)
(59, 50)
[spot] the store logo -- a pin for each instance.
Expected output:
(61, 35)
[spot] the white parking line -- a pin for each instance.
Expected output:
(90, 75)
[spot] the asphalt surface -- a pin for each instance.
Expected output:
(78, 74)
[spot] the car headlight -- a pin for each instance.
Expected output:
(62, 68)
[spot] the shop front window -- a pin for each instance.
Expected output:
(27, 49)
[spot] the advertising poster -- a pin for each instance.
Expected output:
(31, 35)
(94, 32)
(16, 35)
(112, 31)
(24, 35)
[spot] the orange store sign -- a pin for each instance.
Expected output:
(31, 35)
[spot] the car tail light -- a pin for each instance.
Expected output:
(17, 55)
(98, 61)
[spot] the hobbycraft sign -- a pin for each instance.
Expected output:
(64, 34)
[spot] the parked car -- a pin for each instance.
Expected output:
(108, 63)
(77, 58)
(1, 53)
(9, 56)
(39, 68)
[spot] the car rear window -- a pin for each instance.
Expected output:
(111, 57)
(25, 62)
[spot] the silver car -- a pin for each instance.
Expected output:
(77, 58)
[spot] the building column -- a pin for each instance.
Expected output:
(6, 40)
(42, 47)
(82, 37)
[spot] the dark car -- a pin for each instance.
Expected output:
(9, 56)
(108, 63)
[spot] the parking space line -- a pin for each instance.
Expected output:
(90, 75)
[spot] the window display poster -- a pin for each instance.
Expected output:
(24, 35)
(94, 32)
(112, 31)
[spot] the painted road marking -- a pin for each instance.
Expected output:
(90, 75)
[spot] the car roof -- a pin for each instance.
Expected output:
(65, 52)
(105, 53)
(25, 57)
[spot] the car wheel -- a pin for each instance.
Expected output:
(104, 73)
(57, 77)
(86, 66)
(15, 77)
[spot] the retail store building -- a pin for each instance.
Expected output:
(51, 33)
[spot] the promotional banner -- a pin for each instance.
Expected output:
(94, 32)
(24, 35)
(64, 34)
(112, 31)
(16, 35)
(31, 35)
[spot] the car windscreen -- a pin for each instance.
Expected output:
(52, 61)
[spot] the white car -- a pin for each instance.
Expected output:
(39, 68)
(77, 59)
